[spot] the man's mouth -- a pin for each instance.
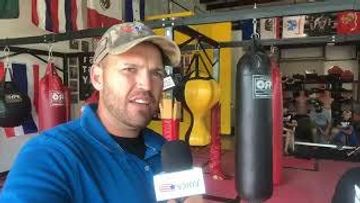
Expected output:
(142, 101)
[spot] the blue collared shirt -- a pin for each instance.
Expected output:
(80, 162)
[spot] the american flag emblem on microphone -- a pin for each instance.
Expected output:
(167, 187)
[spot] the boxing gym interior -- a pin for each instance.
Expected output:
(255, 82)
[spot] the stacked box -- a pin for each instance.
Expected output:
(270, 28)
(320, 24)
(293, 26)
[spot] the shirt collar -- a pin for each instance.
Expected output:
(91, 123)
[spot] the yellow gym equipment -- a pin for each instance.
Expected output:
(201, 94)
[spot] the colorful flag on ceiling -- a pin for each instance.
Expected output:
(58, 15)
(104, 13)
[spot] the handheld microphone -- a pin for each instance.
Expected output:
(180, 178)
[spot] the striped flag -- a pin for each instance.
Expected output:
(167, 187)
(58, 15)
(104, 13)
(134, 10)
(27, 81)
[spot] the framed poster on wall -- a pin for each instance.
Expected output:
(85, 86)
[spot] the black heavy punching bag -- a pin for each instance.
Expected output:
(253, 127)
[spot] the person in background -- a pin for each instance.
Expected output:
(326, 99)
(345, 133)
(301, 104)
(108, 154)
(322, 123)
(289, 124)
(356, 119)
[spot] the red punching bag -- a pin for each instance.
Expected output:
(54, 102)
(277, 122)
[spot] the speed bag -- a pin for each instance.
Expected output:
(52, 101)
(253, 127)
(15, 106)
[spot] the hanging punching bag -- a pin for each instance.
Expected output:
(53, 109)
(15, 105)
(277, 104)
(253, 127)
(201, 94)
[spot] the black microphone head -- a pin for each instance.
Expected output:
(176, 156)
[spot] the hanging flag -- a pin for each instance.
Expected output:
(9, 9)
(348, 22)
(104, 13)
(27, 80)
(134, 10)
(58, 15)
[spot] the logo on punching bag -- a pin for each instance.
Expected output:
(13, 98)
(57, 98)
(262, 87)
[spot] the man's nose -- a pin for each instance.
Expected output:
(144, 80)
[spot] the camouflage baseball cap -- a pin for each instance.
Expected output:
(121, 37)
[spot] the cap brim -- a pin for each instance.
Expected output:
(168, 47)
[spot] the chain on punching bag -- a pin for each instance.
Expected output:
(253, 127)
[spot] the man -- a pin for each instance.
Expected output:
(108, 155)
(289, 125)
(301, 104)
(344, 133)
(322, 123)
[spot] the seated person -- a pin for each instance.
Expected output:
(356, 119)
(322, 123)
(345, 133)
(289, 124)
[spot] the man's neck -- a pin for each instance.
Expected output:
(113, 127)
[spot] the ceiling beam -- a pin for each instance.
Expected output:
(261, 12)
(234, 3)
(209, 1)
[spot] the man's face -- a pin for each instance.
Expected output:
(132, 85)
(318, 108)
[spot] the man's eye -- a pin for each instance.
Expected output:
(159, 73)
(131, 70)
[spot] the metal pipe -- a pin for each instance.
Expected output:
(311, 144)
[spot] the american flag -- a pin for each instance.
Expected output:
(167, 187)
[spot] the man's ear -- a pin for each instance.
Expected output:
(96, 76)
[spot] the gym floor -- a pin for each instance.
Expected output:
(303, 180)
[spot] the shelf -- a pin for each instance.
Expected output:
(262, 11)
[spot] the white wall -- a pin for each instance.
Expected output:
(23, 27)
(159, 7)
(236, 54)
(9, 147)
